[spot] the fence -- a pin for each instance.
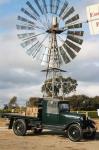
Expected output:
(91, 114)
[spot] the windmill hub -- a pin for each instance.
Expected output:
(54, 27)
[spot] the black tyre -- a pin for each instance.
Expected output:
(91, 134)
(19, 127)
(74, 132)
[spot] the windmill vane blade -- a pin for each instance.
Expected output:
(25, 20)
(74, 18)
(37, 51)
(22, 36)
(27, 13)
(32, 8)
(77, 33)
(45, 6)
(79, 25)
(63, 9)
(73, 46)
(51, 5)
(38, 5)
(57, 6)
(75, 39)
(26, 43)
(64, 55)
(31, 49)
(70, 11)
(20, 27)
(69, 51)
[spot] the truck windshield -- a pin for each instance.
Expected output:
(63, 108)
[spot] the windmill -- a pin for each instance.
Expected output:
(50, 31)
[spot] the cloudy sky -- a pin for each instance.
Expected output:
(21, 76)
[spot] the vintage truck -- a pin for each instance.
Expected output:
(53, 115)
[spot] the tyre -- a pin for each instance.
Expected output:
(91, 134)
(19, 127)
(74, 132)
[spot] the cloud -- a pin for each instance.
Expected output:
(88, 89)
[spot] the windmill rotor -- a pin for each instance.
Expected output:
(50, 30)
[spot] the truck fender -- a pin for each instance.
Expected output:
(67, 126)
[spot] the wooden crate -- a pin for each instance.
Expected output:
(32, 111)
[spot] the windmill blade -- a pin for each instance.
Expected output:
(32, 49)
(39, 47)
(25, 20)
(75, 39)
(59, 57)
(64, 7)
(54, 5)
(32, 8)
(51, 5)
(64, 55)
(22, 27)
(73, 46)
(77, 33)
(69, 51)
(25, 35)
(39, 7)
(45, 6)
(74, 18)
(37, 50)
(68, 13)
(27, 13)
(28, 42)
(57, 6)
(79, 25)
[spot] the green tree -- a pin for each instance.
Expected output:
(33, 101)
(66, 85)
(13, 103)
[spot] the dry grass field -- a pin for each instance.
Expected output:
(46, 141)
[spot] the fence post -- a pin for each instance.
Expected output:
(86, 113)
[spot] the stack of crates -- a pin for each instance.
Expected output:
(32, 111)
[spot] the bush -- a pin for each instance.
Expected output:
(5, 111)
(93, 114)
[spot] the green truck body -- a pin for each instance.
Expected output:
(53, 115)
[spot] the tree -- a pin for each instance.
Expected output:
(13, 103)
(66, 85)
(33, 101)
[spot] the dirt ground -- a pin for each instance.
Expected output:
(46, 141)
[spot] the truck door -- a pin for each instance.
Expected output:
(64, 109)
(52, 114)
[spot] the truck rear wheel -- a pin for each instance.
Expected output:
(19, 127)
(74, 132)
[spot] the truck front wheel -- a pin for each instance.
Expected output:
(74, 132)
(91, 134)
(19, 127)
